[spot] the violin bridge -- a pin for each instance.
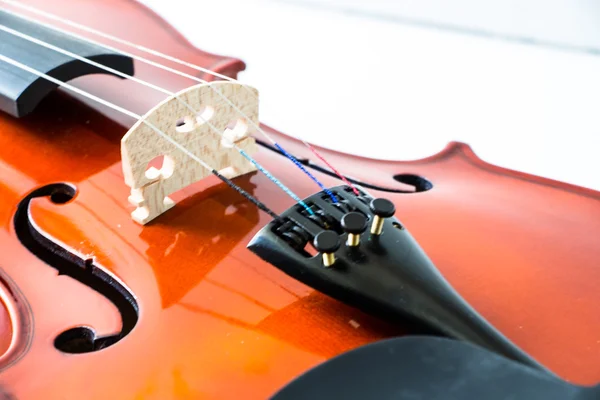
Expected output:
(143, 149)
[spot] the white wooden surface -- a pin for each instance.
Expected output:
(393, 90)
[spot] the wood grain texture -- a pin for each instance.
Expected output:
(208, 134)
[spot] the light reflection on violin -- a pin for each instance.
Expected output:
(215, 321)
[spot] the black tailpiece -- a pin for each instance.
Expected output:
(388, 275)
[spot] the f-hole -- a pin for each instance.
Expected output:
(81, 339)
(419, 183)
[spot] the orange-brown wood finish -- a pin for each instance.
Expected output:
(217, 322)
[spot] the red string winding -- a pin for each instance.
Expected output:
(342, 177)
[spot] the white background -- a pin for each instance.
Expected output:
(400, 79)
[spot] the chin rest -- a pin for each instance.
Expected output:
(429, 368)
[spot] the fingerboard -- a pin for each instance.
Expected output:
(20, 90)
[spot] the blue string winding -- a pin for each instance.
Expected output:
(314, 178)
(277, 182)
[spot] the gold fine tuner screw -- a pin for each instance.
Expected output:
(327, 243)
(328, 259)
(381, 208)
(354, 223)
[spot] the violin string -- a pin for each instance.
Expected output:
(166, 68)
(85, 28)
(331, 167)
(270, 176)
(131, 114)
(90, 30)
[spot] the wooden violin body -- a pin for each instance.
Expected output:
(195, 314)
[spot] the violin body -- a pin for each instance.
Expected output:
(205, 317)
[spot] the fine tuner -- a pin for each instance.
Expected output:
(354, 224)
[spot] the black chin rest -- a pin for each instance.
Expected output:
(428, 368)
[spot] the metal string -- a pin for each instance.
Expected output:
(170, 58)
(142, 82)
(176, 60)
(342, 177)
(131, 114)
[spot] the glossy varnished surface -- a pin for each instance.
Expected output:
(216, 321)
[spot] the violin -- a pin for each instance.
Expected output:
(234, 287)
